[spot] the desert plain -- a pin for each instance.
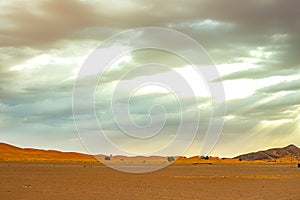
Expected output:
(30, 174)
(35, 181)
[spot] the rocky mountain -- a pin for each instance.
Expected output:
(290, 152)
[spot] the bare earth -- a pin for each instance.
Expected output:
(93, 181)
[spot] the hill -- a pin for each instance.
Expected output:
(12, 153)
(16, 154)
(285, 154)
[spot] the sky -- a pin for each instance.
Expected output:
(254, 45)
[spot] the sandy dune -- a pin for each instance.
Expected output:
(11, 153)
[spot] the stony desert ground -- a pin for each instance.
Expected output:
(44, 180)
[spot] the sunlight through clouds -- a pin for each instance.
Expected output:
(255, 46)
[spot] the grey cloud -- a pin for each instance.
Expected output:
(283, 86)
(258, 73)
(10, 56)
(140, 58)
(263, 107)
(140, 109)
(253, 24)
(45, 22)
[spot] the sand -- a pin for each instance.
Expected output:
(92, 181)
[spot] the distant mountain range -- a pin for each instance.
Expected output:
(288, 153)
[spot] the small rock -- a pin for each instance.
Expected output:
(27, 186)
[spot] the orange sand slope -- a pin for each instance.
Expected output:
(12, 153)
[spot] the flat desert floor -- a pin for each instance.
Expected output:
(92, 181)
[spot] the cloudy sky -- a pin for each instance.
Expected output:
(254, 45)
